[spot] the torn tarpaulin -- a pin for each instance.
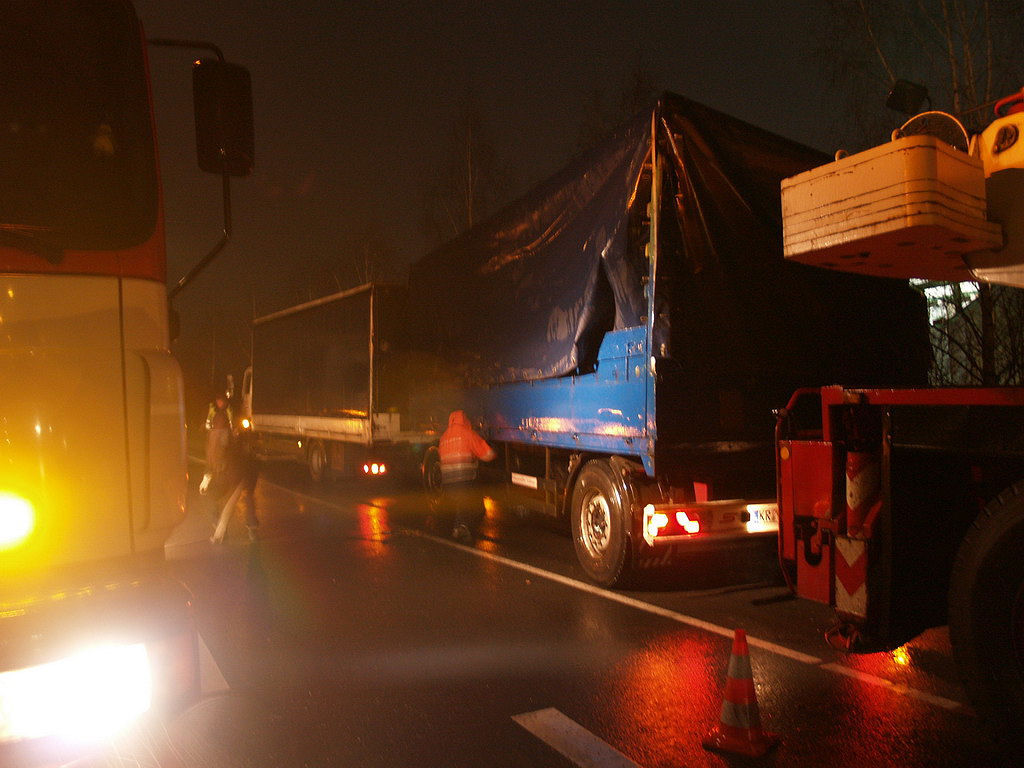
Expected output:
(530, 293)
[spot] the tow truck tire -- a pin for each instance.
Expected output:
(317, 460)
(986, 617)
(599, 525)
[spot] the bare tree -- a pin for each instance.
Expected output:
(603, 112)
(965, 51)
(472, 182)
(967, 54)
(958, 316)
(374, 259)
(364, 255)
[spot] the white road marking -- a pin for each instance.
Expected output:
(572, 740)
(666, 613)
(864, 677)
(682, 618)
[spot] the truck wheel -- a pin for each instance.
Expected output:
(599, 526)
(317, 458)
(431, 471)
(986, 616)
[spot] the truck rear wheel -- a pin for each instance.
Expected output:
(317, 459)
(986, 616)
(599, 524)
(431, 473)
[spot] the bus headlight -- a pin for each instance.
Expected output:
(85, 697)
(17, 520)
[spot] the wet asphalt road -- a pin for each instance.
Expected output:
(355, 633)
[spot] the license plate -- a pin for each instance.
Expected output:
(763, 517)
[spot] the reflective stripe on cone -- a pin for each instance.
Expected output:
(739, 728)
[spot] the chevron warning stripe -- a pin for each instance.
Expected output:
(863, 485)
(851, 564)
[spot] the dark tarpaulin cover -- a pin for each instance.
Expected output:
(530, 293)
(522, 295)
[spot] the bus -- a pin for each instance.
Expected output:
(92, 429)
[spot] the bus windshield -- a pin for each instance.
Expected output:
(77, 160)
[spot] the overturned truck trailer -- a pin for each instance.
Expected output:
(624, 331)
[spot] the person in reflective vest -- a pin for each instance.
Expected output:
(460, 450)
(218, 434)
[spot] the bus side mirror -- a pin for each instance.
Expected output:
(222, 94)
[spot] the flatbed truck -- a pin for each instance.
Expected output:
(329, 385)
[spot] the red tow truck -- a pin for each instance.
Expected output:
(904, 508)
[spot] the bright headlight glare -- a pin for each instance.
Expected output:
(17, 519)
(86, 697)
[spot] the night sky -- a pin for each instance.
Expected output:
(356, 105)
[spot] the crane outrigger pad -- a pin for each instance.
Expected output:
(915, 207)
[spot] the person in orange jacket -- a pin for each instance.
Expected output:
(460, 450)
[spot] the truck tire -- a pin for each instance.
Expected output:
(317, 459)
(599, 524)
(431, 472)
(986, 616)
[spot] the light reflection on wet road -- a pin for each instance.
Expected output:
(354, 633)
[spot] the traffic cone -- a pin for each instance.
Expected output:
(739, 727)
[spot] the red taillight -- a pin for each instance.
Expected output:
(663, 523)
(656, 524)
(686, 523)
